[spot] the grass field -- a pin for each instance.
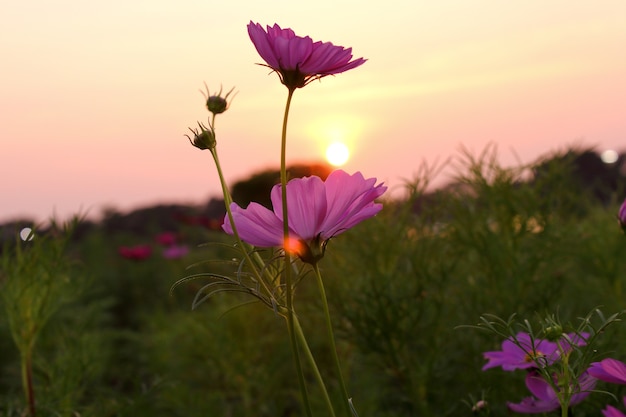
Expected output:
(107, 338)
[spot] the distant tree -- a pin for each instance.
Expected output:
(257, 187)
(586, 173)
(144, 221)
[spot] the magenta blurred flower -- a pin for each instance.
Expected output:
(175, 251)
(545, 399)
(166, 238)
(318, 211)
(299, 60)
(609, 370)
(621, 215)
(523, 354)
(611, 411)
(136, 253)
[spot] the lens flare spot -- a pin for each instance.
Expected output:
(609, 156)
(337, 153)
(294, 246)
(27, 234)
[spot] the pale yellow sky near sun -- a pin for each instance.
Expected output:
(96, 97)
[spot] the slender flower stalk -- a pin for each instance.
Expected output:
(287, 269)
(309, 355)
(331, 340)
(245, 249)
(205, 139)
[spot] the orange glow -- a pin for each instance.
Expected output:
(294, 246)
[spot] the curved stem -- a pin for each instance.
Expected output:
(331, 341)
(287, 269)
(245, 249)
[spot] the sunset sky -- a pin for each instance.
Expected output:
(96, 97)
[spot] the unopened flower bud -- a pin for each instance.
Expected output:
(554, 332)
(479, 406)
(204, 138)
(215, 103)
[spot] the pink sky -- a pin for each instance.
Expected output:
(96, 96)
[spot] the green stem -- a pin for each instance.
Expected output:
(316, 371)
(27, 380)
(331, 341)
(567, 385)
(287, 269)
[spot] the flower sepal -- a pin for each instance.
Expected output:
(203, 138)
(215, 103)
(309, 252)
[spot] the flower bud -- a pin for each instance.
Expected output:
(203, 138)
(215, 103)
(554, 332)
(479, 406)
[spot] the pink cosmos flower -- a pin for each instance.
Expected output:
(522, 355)
(611, 411)
(528, 353)
(609, 370)
(136, 253)
(318, 211)
(544, 397)
(299, 60)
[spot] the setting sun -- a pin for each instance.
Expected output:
(337, 153)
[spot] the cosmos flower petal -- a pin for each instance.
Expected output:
(330, 59)
(544, 397)
(530, 405)
(540, 388)
(621, 214)
(306, 202)
(611, 411)
(350, 201)
(609, 370)
(299, 51)
(256, 225)
(262, 44)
